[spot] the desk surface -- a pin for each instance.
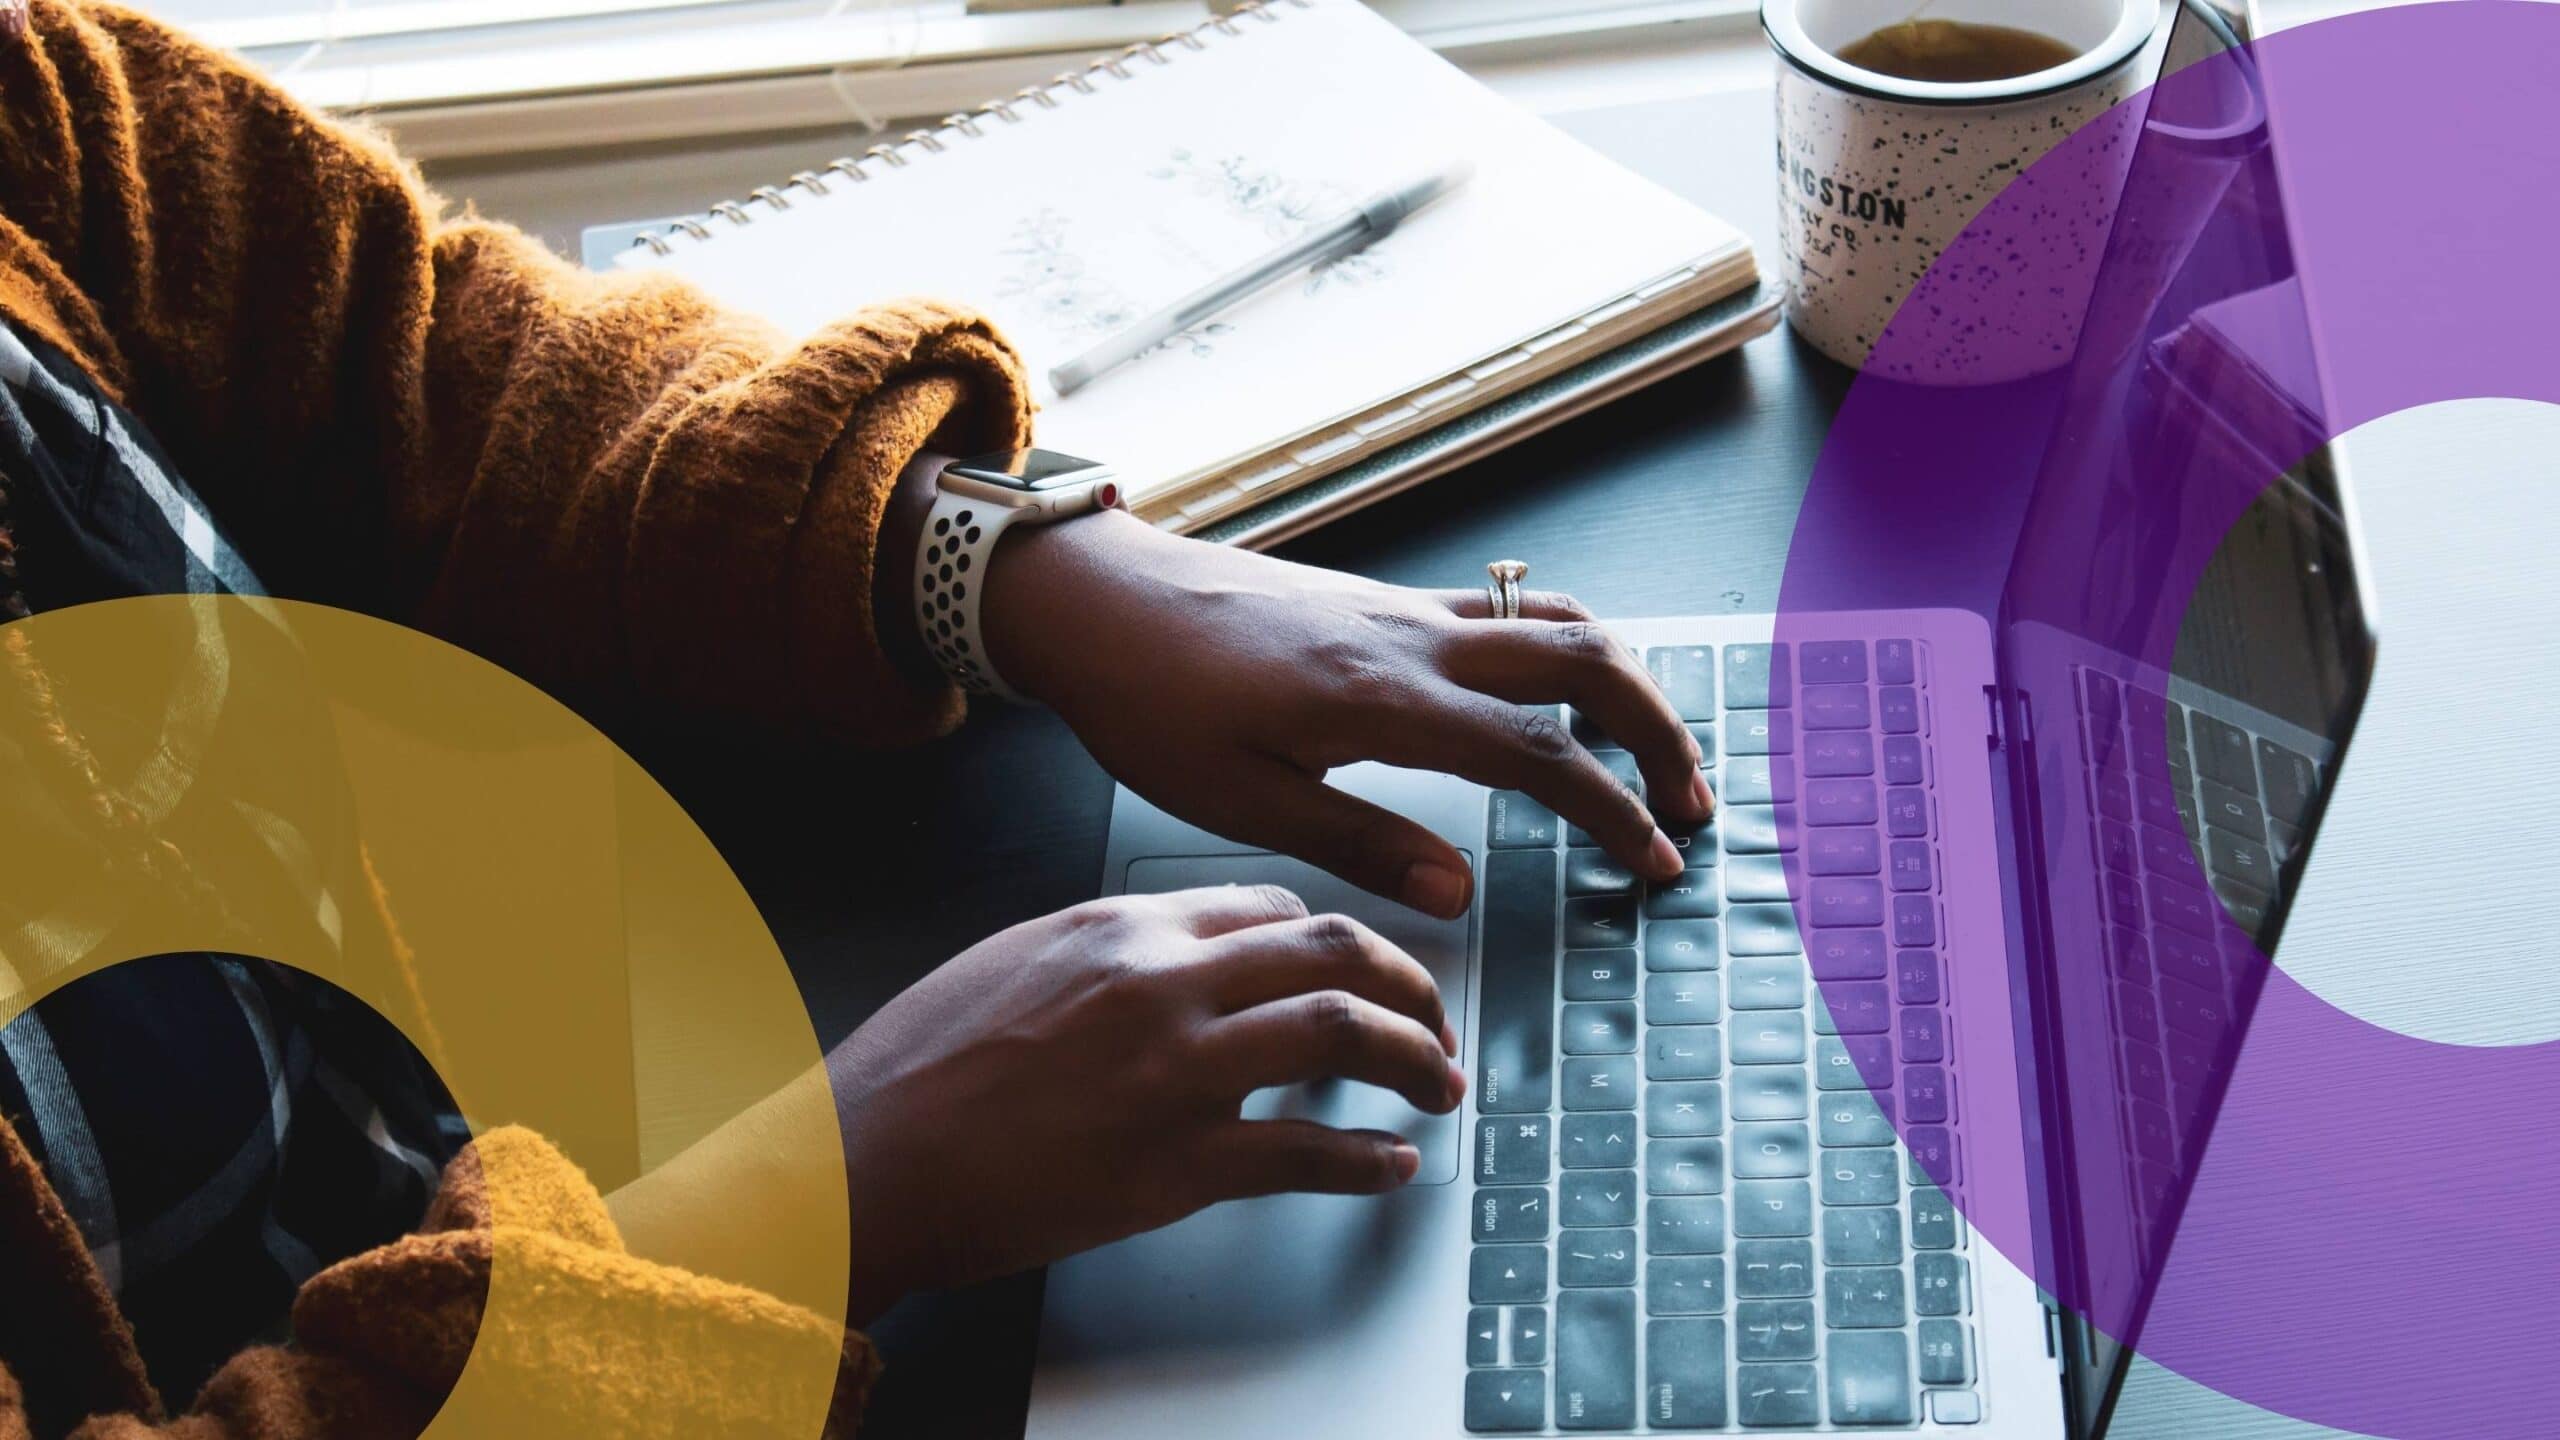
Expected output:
(1678, 501)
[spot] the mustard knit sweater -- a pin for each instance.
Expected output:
(438, 421)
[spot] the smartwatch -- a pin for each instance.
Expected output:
(975, 501)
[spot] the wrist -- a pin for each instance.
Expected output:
(1044, 580)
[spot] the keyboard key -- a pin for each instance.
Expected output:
(1599, 922)
(1866, 1298)
(1596, 1360)
(1762, 930)
(1756, 677)
(1687, 675)
(1694, 1107)
(1836, 707)
(1870, 1380)
(1898, 710)
(1839, 753)
(1861, 1237)
(1773, 1330)
(2183, 906)
(1685, 1285)
(1507, 1274)
(1843, 1062)
(1856, 1007)
(1933, 1155)
(1682, 999)
(1606, 1082)
(1769, 1092)
(1913, 871)
(1759, 732)
(1503, 1402)
(2191, 1010)
(1861, 1177)
(1682, 945)
(1705, 735)
(2243, 860)
(1600, 975)
(1684, 1374)
(2291, 781)
(1511, 1149)
(1768, 982)
(1510, 1214)
(1915, 920)
(1771, 1150)
(1902, 762)
(1946, 1353)
(2235, 813)
(1592, 872)
(1915, 977)
(1757, 780)
(1831, 803)
(2223, 752)
(1774, 1209)
(1906, 812)
(1586, 1259)
(1933, 1220)
(1838, 903)
(1925, 1100)
(1684, 1167)
(1606, 1028)
(1773, 1269)
(1775, 1395)
(1894, 662)
(1484, 1336)
(2247, 906)
(1684, 1226)
(1852, 1118)
(1766, 1037)
(1691, 897)
(1826, 662)
(1586, 1199)
(1529, 1335)
(1516, 822)
(1847, 955)
(1924, 1037)
(1755, 830)
(1937, 1283)
(1515, 1052)
(1598, 1141)
(1829, 852)
(1684, 1052)
(1756, 878)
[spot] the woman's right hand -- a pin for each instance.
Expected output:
(1077, 1079)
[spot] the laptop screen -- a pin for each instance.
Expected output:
(2187, 632)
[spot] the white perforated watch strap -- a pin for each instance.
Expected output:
(951, 561)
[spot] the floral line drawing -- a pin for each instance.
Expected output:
(1285, 206)
(1049, 274)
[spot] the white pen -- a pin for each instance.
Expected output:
(1365, 224)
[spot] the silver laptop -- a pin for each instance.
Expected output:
(1714, 1168)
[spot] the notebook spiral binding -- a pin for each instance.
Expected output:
(967, 124)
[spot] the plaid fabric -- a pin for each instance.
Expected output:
(219, 1128)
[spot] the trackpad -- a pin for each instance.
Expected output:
(1441, 946)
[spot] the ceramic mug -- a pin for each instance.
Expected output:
(1877, 174)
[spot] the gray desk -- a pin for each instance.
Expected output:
(1679, 500)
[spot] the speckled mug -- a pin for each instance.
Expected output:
(1876, 174)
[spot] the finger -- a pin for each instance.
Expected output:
(1278, 807)
(1215, 910)
(1323, 952)
(1586, 667)
(1478, 738)
(1332, 1035)
(1534, 605)
(1242, 1159)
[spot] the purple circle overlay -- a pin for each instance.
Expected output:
(2369, 1244)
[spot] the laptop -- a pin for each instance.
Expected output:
(1726, 1139)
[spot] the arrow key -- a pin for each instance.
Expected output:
(1506, 1401)
(1529, 1335)
(1484, 1337)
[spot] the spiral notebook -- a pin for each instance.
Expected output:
(1073, 209)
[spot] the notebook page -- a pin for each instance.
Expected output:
(1083, 218)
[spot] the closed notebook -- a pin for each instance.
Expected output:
(1072, 210)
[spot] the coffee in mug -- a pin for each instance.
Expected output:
(1896, 129)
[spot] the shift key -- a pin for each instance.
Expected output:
(1516, 1042)
(1596, 1360)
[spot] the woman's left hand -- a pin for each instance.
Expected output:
(1222, 685)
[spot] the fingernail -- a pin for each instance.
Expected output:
(1408, 1163)
(1704, 794)
(1665, 857)
(1435, 889)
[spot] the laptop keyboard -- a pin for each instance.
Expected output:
(2211, 819)
(1689, 1211)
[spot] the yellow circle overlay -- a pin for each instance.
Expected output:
(349, 797)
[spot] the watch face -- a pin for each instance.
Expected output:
(1027, 470)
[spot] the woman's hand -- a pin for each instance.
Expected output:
(1222, 685)
(1077, 1079)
